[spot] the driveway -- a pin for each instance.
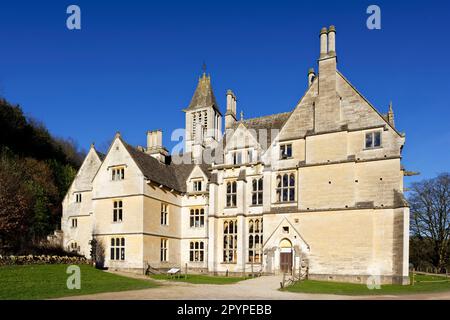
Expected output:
(262, 288)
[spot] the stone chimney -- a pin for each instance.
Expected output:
(327, 112)
(155, 147)
(230, 115)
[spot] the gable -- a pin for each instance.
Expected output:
(302, 118)
(357, 111)
(87, 171)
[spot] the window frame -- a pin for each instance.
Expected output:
(118, 173)
(196, 184)
(117, 250)
(74, 223)
(196, 251)
(255, 240)
(231, 194)
(164, 250)
(372, 135)
(164, 214)
(283, 151)
(289, 189)
(117, 211)
(230, 239)
(197, 218)
(257, 191)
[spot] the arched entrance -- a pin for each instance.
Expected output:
(286, 256)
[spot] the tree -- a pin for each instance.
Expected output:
(15, 206)
(430, 216)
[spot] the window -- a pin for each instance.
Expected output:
(257, 192)
(285, 151)
(255, 240)
(230, 241)
(117, 174)
(197, 251)
(231, 194)
(197, 218)
(74, 223)
(164, 246)
(73, 247)
(286, 188)
(118, 249)
(164, 214)
(198, 185)
(373, 139)
(78, 197)
(237, 157)
(117, 211)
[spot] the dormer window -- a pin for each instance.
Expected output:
(285, 151)
(237, 157)
(118, 174)
(373, 139)
(197, 186)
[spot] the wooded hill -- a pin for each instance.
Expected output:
(36, 170)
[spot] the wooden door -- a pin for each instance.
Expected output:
(286, 262)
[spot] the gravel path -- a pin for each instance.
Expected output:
(262, 288)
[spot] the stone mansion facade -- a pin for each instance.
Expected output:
(319, 188)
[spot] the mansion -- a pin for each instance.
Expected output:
(317, 189)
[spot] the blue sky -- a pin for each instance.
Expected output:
(134, 65)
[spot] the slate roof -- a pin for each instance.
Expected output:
(270, 122)
(173, 176)
(204, 95)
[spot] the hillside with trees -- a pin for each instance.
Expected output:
(36, 170)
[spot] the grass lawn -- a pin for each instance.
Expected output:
(49, 281)
(326, 287)
(200, 279)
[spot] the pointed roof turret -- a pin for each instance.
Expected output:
(391, 115)
(203, 95)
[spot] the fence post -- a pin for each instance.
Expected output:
(186, 271)
(413, 276)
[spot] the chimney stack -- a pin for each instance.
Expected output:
(230, 115)
(327, 112)
(332, 41)
(323, 42)
(155, 147)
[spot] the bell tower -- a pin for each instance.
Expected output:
(203, 119)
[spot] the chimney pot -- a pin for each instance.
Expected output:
(332, 41)
(323, 42)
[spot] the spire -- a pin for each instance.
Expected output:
(204, 95)
(391, 115)
(242, 115)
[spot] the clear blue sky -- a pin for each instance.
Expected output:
(134, 65)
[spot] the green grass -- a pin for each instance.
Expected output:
(200, 279)
(327, 287)
(49, 281)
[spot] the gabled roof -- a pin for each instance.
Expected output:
(204, 95)
(173, 176)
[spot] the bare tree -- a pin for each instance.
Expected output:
(430, 215)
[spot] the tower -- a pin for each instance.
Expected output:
(203, 119)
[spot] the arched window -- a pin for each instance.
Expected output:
(255, 241)
(285, 188)
(230, 241)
